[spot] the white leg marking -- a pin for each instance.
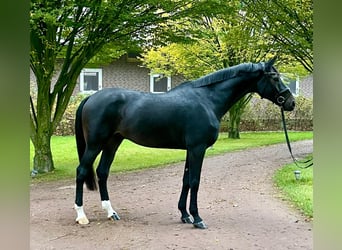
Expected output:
(81, 217)
(106, 205)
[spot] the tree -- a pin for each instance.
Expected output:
(251, 30)
(289, 23)
(75, 31)
(216, 42)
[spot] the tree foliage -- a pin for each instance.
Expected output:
(289, 23)
(248, 30)
(213, 43)
(204, 35)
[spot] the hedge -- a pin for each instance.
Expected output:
(260, 115)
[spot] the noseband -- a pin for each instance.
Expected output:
(282, 96)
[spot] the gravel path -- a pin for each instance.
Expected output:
(237, 200)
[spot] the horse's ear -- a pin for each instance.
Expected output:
(270, 63)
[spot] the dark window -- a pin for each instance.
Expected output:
(159, 83)
(91, 81)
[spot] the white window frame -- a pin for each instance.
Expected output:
(152, 80)
(296, 82)
(90, 70)
(297, 86)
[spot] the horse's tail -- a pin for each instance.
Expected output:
(81, 145)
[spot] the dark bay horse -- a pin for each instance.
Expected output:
(187, 117)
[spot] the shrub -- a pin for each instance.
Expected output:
(67, 124)
(261, 115)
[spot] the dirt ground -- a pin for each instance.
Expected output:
(237, 200)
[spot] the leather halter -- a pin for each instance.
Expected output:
(283, 94)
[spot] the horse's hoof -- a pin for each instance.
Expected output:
(187, 220)
(114, 217)
(200, 225)
(82, 221)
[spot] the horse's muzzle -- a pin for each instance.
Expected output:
(289, 104)
(286, 100)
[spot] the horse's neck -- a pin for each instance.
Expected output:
(227, 93)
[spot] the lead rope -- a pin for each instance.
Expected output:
(310, 161)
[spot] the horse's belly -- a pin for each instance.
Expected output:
(157, 139)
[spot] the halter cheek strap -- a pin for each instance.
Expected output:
(282, 96)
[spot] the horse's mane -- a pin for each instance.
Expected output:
(227, 73)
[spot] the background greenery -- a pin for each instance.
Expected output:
(261, 115)
(218, 34)
(131, 156)
(299, 192)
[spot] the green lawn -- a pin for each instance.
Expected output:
(298, 192)
(132, 157)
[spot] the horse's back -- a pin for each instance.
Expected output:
(169, 120)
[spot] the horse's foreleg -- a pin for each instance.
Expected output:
(111, 214)
(186, 218)
(102, 172)
(195, 165)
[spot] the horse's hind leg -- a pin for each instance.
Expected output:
(102, 172)
(84, 173)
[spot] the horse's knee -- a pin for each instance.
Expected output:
(81, 174)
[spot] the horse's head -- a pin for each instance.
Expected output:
(271, 87)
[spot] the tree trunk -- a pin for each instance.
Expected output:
(41, 137)
(234, 124)
(42, 161)
(41, 129)
(235, 113)
(234, 133)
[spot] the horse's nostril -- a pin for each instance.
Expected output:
(289, 105)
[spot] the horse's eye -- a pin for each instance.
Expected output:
(275, 78)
